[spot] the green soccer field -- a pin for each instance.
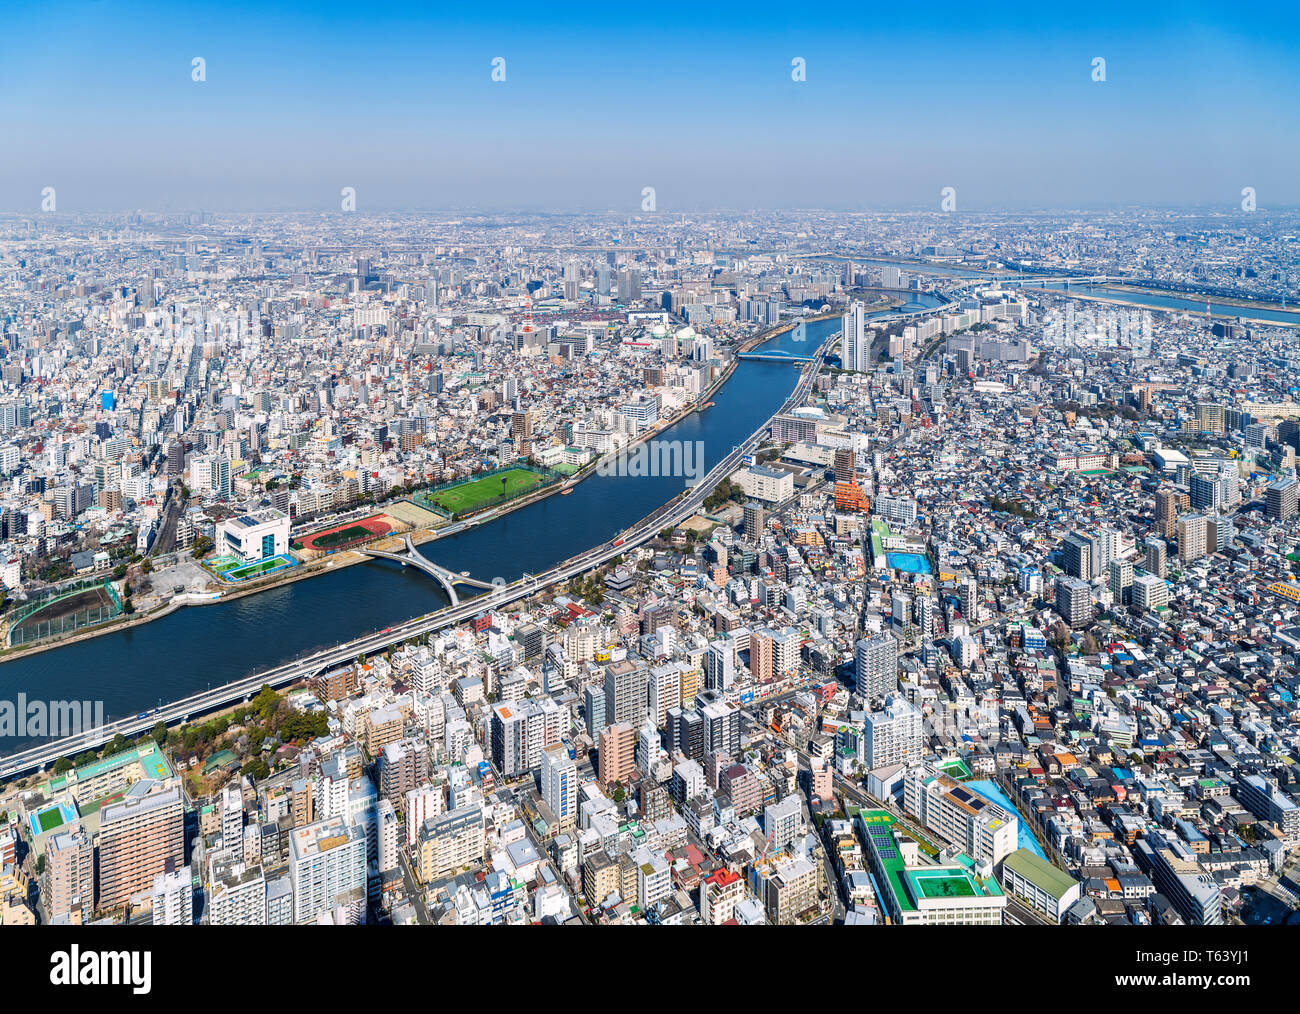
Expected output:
(50, 819)
(487, 490)
(344, 535)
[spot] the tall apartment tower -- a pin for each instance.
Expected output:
(173, 898)
(760, 656)
(70, 873)
(1074, 602)
(232, 817)
(1166, 512)
(1121, 581)
(1192, 530)
(627, 697)
(876, 665)
(1280, 500)
(559, 778)
(617, 757)
(137, 839)
(1156, 553)
(855, 344)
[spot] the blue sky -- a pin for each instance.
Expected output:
(397, 100)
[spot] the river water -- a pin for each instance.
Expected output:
(200, 646)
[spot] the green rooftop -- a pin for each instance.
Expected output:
(150, 758)
(955, 768)
(1032, 867)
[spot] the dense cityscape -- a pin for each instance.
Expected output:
(783, 568)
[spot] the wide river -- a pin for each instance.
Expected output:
(201, 646)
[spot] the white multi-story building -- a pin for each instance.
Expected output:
(1150, 592)
(720, 665)
(782, 821)
(985, 830)
(237, 896)
(388, 835)
(421, 804)
(256, 536)
(521, 730)
(855, 347)
(559, 777)
(327, 869)
(232, 818)
(173, 898)
(768, 484)
(210, 473)
(876, 664)
(893, 734)
(897, 510)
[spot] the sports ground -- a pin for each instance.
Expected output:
(51, 818)
(350, 533)
(489, 489)
(233, 569)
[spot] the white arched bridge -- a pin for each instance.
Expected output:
(448, 579)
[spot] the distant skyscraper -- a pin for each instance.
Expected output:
(629, 285)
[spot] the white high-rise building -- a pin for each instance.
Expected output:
(232, 818)
(983, 829)
(719, 665)
(855, 346)
(327, 869)
(559, 777)
(173, 898)
(665, 689)
(388, 835)
(1150, 592)
(421, 804)
(892, 735)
